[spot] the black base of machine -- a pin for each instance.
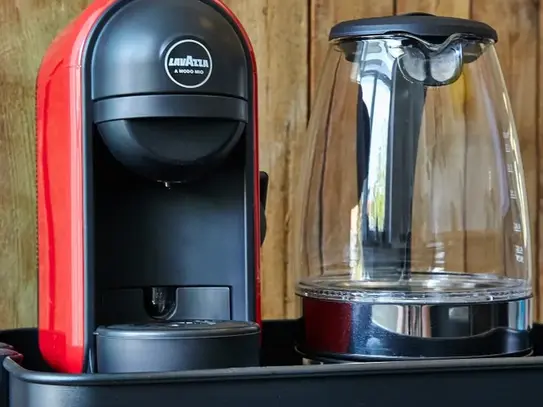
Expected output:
(283, 381)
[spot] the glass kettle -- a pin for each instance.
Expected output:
(414, 238)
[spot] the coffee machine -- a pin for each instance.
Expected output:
(150, 198)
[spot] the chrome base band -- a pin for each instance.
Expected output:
(349, 331)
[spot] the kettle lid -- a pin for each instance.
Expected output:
(417, 24)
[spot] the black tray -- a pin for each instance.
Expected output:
(467, 383)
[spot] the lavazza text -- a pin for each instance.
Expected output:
(184, 65)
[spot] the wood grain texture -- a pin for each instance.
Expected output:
(450, 8)
(279, 37)
(26, 29)
(537, 236)
(516, 22)
(290, 38)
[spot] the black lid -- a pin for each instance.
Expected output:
(417, 24)
(180, 329)
(176, 346)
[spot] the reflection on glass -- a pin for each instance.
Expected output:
(415, 185)
(374, 189)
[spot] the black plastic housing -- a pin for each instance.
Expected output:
(169, 166)
(174, 346)
(497, 382)
(158, 119)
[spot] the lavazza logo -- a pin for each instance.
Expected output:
(188, 63)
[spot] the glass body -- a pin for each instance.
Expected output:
(412, 186)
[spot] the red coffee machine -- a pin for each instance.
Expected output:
(149, 193)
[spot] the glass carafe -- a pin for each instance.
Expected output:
(415, 238)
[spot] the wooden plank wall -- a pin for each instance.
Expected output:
(290, 40)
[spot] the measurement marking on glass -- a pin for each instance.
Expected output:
(519, 254)
(517, 228)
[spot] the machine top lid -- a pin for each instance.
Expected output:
(417, 24)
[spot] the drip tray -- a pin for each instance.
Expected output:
(449, 383)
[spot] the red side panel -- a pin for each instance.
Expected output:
(60, 196)
(256, 199)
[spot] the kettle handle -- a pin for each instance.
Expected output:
(405, 118)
